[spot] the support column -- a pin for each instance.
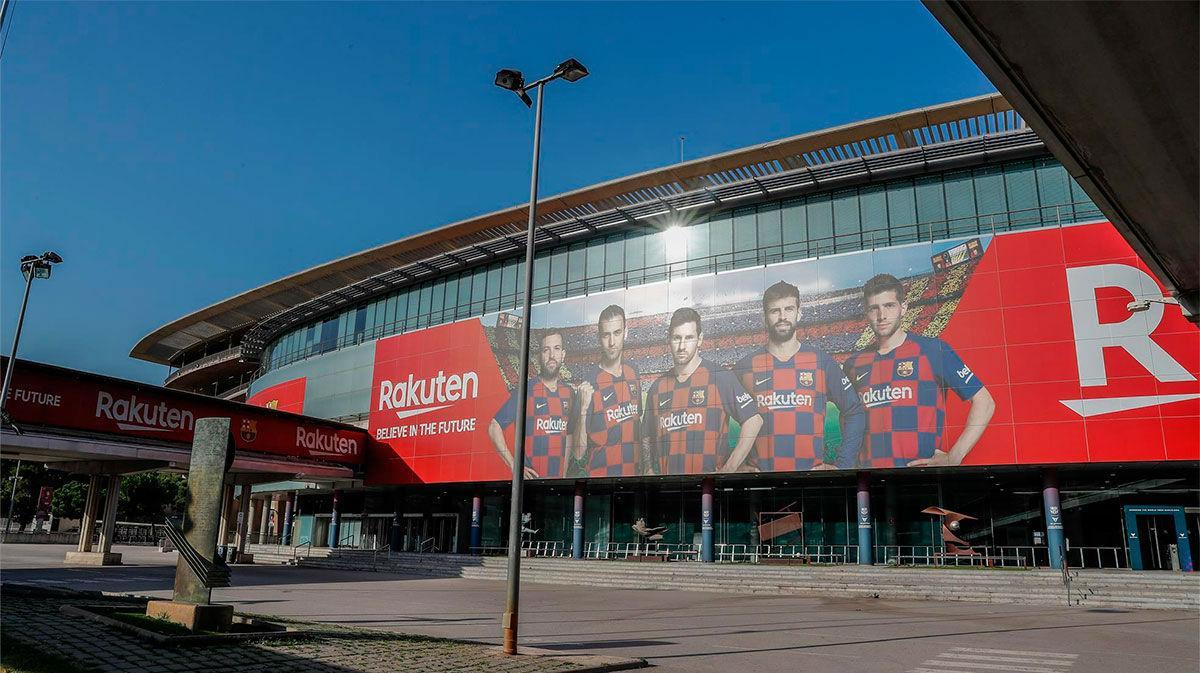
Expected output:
(866, 551)
(1053, 512)
(476, 524)
(335, 521)
(243, 525)
(707, 488)
(87, 527)
(109, 529)
(577, 522)
(264, 523)
(226, 520)
(289, 510)
(889, 515)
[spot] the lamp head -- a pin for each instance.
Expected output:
(51, 257)
(571, 70)
(512, 80)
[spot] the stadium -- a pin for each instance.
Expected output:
(1001, 261)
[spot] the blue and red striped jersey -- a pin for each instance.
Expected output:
(904, 392)
(792, 395)
(614, 424)
(548, 423)
(687, 422)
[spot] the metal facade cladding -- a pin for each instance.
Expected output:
(43, 395)
(1039, 319)
(287, 396)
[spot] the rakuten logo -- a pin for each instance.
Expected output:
(321, 443)
(680, 420)
(778, 400)
(876, 397)
(415, 396)
(551, 426)
(130, 414)
(621, 413)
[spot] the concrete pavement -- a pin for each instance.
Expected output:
(681, 631)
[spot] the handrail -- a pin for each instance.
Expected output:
(815, 248)
(307, 542)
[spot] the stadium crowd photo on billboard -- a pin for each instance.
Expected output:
(986, 350)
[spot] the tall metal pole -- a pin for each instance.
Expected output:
(512, 608)
(12, 358)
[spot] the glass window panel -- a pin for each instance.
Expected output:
(414, 306)
(902, 208)
(770, 234)
(1020, 186)
(439, 299)
(558, 273)
(512, 274)
(635, 256)
(463, 309)
(656, 255)
(989, 198)
(931, 211)
(329, 335)
(873, 209)
(1054, 190)
(541, 277)
(795, 237)
(576, 267)
(614, 261)
(450, 309)
(1084, 208)
(720, 241)
(426, 300)
(745, 237)
(820, 225)
(595, 265)
(960, 204)
(847, 225)
(493, 289)
(697, 249)
(478, 290)
(389, 315)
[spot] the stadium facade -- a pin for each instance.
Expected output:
(798, 349)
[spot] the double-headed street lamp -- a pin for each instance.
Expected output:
(572, 71)
(33, 266)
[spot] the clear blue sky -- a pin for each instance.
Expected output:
(177, 154)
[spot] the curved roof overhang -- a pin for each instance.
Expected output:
(756, 170)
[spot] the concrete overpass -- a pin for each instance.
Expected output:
(1113, 88)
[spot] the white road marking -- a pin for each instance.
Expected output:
(981, 650)
(1011, 660)
(983, 660)
(991, 667)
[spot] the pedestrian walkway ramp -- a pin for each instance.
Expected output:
(1091, 589)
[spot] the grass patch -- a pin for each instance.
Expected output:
(155, 624)
(17, 656)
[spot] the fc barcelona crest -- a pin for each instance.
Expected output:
(273, 404)
(699, 397)
(904, 369)
(805, 379)
(249, 431)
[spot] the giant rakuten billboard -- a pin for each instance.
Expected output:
(1018, 348)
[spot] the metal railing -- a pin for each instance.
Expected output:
(545, 548)
(837, 243)
(833, 554)
(1003, 556)
(201, 363)
(625, 550)
(307, 543)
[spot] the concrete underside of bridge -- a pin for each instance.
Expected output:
(1113, 88)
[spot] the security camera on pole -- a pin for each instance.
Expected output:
(572, 71)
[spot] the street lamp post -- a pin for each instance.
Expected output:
(32, 266)
(572, 71)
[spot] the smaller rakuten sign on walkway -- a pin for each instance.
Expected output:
(43, 395)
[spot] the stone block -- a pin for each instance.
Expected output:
(92, 558)
(243, 557)
(193, 616)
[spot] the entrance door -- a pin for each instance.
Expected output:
(1156, 533)
(444, 530)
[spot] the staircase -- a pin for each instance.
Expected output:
(1112, 589)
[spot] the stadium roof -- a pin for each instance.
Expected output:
(807, 160)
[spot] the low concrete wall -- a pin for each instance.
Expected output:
(41, 538)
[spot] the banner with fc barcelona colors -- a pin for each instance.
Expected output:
(1018, 348)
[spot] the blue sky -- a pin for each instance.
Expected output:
(176, 154)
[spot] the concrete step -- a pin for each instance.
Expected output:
(1113, 589)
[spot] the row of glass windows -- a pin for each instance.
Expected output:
(1001, 197)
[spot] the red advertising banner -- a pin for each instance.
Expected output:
(287, 396)
(43, 395)
(1019, 348)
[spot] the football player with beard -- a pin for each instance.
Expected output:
(548, 416)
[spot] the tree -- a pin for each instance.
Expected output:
(30, 479)
(149, 496)
(69, 500)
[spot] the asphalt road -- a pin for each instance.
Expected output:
(677, 630)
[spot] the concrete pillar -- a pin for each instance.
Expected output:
(243, 522)
(264, 523)
(476, 524)
(866, 550)
(87, 527)
(707, 550)
(110, 514)
(1053, 512)
(252, 529)
(335, 521)
(289, 506)
(577, 522)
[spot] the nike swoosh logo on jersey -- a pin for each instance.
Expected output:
(607, 397)
(861, 376)
(759, 383)
(663, 403)
(541, 406)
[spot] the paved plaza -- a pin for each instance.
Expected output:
(675, 630)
